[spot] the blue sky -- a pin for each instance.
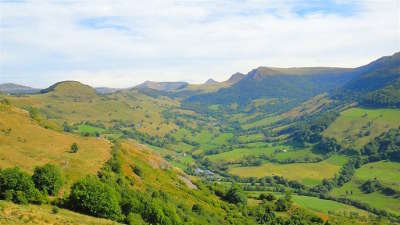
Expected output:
(123, 43)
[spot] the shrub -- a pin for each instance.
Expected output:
(92, 197)
(137, 171)
(55, 210)
(48, 179)
(74, 147)
(18, 186)
(196, 208)
(235, 195)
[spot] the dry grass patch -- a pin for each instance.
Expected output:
(25, 144)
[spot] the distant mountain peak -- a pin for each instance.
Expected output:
(162, 86)
(12, 88)
(211, 81)
(236, 77)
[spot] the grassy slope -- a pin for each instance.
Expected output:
(385, 172)
(85, 105)
(13, 214)
(307, 173)
(28, 145)
(160, 175)
(355, 121)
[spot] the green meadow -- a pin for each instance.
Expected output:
(306, 173)
(355, 127)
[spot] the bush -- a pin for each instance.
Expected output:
(18, 187)
(48, 179)
(137, 171)
(92, 197)
(74, 147)
(196, 208)
(370, 186)
(55, 210)
(235, 195)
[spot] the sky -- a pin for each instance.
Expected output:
(122, 43)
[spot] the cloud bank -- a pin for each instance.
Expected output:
(122, 43)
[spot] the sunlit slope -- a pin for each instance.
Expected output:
(25, 144)
(73, 102)
(355, 127)
(159, 175)
(13, 214)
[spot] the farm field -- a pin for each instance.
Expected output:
(306, 173)
(355, 127)
(280, 152)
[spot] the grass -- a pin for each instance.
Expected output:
(13, 214)
(307, 173)
(84, 128)
(376, 199)
(278, 151)
(388, 173)
(74, 103)
(326, 209)
(240, 153)
(325, 206)
(28, 145)
(262, 122)
(251, 138)
(355, 127)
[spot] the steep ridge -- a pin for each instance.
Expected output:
(376, 84)
(269, 82)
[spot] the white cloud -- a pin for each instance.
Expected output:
(122, 43)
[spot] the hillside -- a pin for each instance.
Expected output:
(162, 86)
(14, 214)
(210, 153)
(24, 143)
(297, 84)
(73, 103)
(375, 84)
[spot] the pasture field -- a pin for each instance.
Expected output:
(327, 209)
(251, 138)
(377, 200)
(25, 144)
(254, 149)
(84, 128)
(267, 120)
(280, 152)
(299, 154)
(388, 173)
(355, 127)
(306, 173)
(325, 206)
(13, 214)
